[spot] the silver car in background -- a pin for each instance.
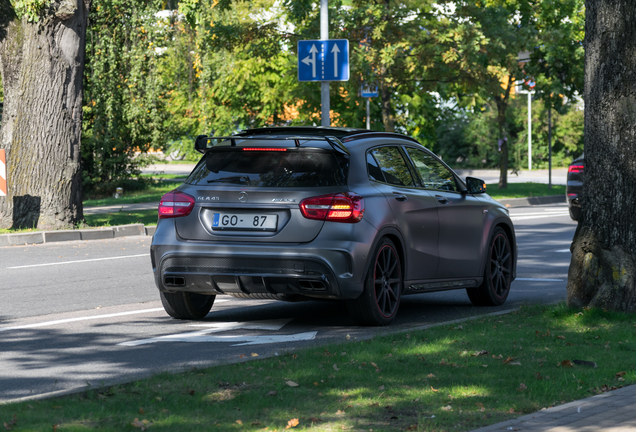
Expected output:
(348, 214)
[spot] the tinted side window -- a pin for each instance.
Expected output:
(375, 173)
(393, 166)
(434, 175)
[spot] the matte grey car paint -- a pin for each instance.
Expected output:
(440, 240)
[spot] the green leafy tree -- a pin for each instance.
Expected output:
(125, 99)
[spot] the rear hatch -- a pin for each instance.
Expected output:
(252, 192)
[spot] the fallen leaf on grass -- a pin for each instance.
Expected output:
(340, 412)
(430, 375)
(256, 423)
(272, 393)
(239, 422)
(412, 428)
(141, 411)
(538, 375)
(569, 344)
(315, 419)
(254, 355)
(512, 411)
(435, 390)
(291, 383)
(143, 424)
(381, 387)
(191, 392)
(522, 387)
(447, 408)
(565, 363)
(560, 337)
(9, 425)
(335, 367)
(514, 364)
(481, 407)
(584, 363)
(620, 374)
(479, 353)
(292, 423)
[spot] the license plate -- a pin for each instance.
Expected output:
(245, 221)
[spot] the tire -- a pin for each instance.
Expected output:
(495, 288)
(187, 306)
(380, 300)
(575, 213)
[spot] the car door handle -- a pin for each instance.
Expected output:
(441, 199)
(400, 197)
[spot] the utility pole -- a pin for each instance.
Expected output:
(549, 146)
(368, 113)
(529, 131)
(324, 85)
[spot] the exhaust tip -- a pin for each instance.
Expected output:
(174, 281)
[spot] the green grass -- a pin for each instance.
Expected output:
(165, 176)
(437, 379)
(522, 190)
(149, 194)
(146, 217)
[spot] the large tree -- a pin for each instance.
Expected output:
(603, 267)
(42, 64)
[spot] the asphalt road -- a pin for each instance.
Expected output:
(81, 313)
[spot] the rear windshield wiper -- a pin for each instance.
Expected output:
(232, 179)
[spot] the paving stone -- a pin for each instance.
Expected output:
(97, 234)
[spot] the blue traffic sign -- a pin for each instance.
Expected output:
(368, 90)
(323, 60)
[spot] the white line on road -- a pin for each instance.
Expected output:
(563, 250)
(539, 280)
(67, 320)
(80, 261)
(518, 218)
(94, 317)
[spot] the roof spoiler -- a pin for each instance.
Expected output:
(202, 142)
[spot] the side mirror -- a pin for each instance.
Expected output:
(475, 185)
(201, 143)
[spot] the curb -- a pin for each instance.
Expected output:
(528, 201)
(72, 235)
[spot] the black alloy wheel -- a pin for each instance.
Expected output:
(495, 287)
(186, 305)
(380, 300)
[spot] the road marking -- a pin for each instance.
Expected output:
(204, 335)
(563, 250)
(67, 320)
(518, 218)
(80, 261)
(539, 280)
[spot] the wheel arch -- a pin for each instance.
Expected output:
(510, 232)
(395, 236)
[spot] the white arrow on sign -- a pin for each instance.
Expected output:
(335, 50)
(204, 335)
(313, 51)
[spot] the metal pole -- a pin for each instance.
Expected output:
(550, 147)
(529, 131)
(324, 85)
(368, 113)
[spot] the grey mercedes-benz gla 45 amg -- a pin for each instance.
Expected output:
(328, 213)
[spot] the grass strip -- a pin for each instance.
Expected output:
(446, 378)
(148, 194)
(523, 190)
(146, 217)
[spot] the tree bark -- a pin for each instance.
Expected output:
(603, 268)
(502, 108)
(42, 65)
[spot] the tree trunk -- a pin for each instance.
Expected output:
(387, 114)
(42, 65)
(502, 106)
(603, 267)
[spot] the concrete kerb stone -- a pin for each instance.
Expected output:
(40, 237)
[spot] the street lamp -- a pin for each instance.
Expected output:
(529, 93)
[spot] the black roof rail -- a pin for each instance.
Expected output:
(368, 134)
(202, 141)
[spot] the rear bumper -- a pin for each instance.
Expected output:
(328, 267)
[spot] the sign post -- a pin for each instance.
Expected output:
(368, 91)
(323, 60)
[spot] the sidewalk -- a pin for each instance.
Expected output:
(614, 411)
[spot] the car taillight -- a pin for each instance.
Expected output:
(576, 168)
(341, 207)
(175, 204)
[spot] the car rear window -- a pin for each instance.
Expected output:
(290, 168)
